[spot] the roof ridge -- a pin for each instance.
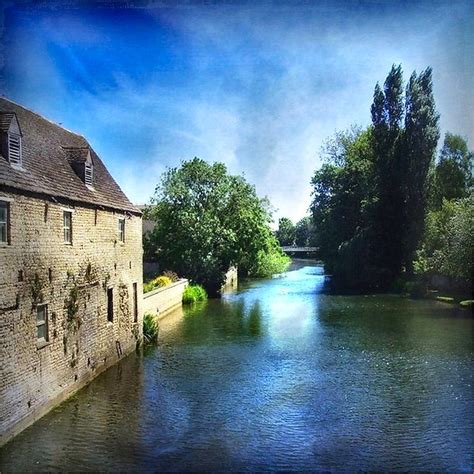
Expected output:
(85, 147)
(43, 118)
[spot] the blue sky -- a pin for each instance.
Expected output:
(256, 85)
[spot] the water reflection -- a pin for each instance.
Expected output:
(277, 376)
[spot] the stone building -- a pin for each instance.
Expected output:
(70, 267)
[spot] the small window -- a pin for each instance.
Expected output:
(110, 305)
(4, 222)
(67, 227)
(88, 174)
(121, 230)
(14, 149)
(42, 322)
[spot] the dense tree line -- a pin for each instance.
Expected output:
(301, 234)
(372, 194)
(207, 221)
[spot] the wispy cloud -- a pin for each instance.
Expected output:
(256, 87)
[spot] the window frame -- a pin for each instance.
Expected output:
(121, 230)
(44, 322)
(67, 230)
(6, 223)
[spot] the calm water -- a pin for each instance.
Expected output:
(276, 376)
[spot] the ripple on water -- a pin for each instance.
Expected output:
(278, 376)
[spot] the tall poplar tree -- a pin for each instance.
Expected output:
(419, 148)
(387, 116)
(370, 207)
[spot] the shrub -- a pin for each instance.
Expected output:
(158, 282)
(148, 287)
(161, 281)
(150, 328)
(194, 293)
(467, 304)
(448, 246)
(270, 263)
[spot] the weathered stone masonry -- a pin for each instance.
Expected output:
(38, 267)
(85, 332)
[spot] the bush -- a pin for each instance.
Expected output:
(448, 246)
(158, 282)
(161, 281)
(270, 263)
(467, 304)
(150, 328)
(194, 293)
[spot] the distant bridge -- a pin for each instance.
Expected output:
(291, 249)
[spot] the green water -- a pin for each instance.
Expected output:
(277, 376)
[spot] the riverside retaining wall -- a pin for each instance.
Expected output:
(162, 300)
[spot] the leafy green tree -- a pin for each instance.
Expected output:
(342, 194)
(448, 245)
(304, 232)
(286, 232)
(370, 197)
(206, 221)
(420, 140)
(453, 172)
(387, 222)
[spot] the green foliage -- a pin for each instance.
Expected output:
(161, 281)
(343, 191)
(286, 232)
(270, 263)
(467, 304)
(37, 290)
(207, 221)
(305, 233)
(448, 245)
(369, 198)
(193, 294)
(150, 328)
(71, 305)
(158, 282)
(452, 177)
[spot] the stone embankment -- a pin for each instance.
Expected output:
(163, 300)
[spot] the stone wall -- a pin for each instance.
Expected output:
(74, 281)
(231, 280)
(163, 300)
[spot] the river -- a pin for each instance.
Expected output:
(279, 375)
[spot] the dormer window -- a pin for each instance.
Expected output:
(10, 142)
(81, 162)
(14, 149)
(88, 174)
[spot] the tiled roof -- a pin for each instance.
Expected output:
(5, 121)
(76, 155)
(46, 155)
